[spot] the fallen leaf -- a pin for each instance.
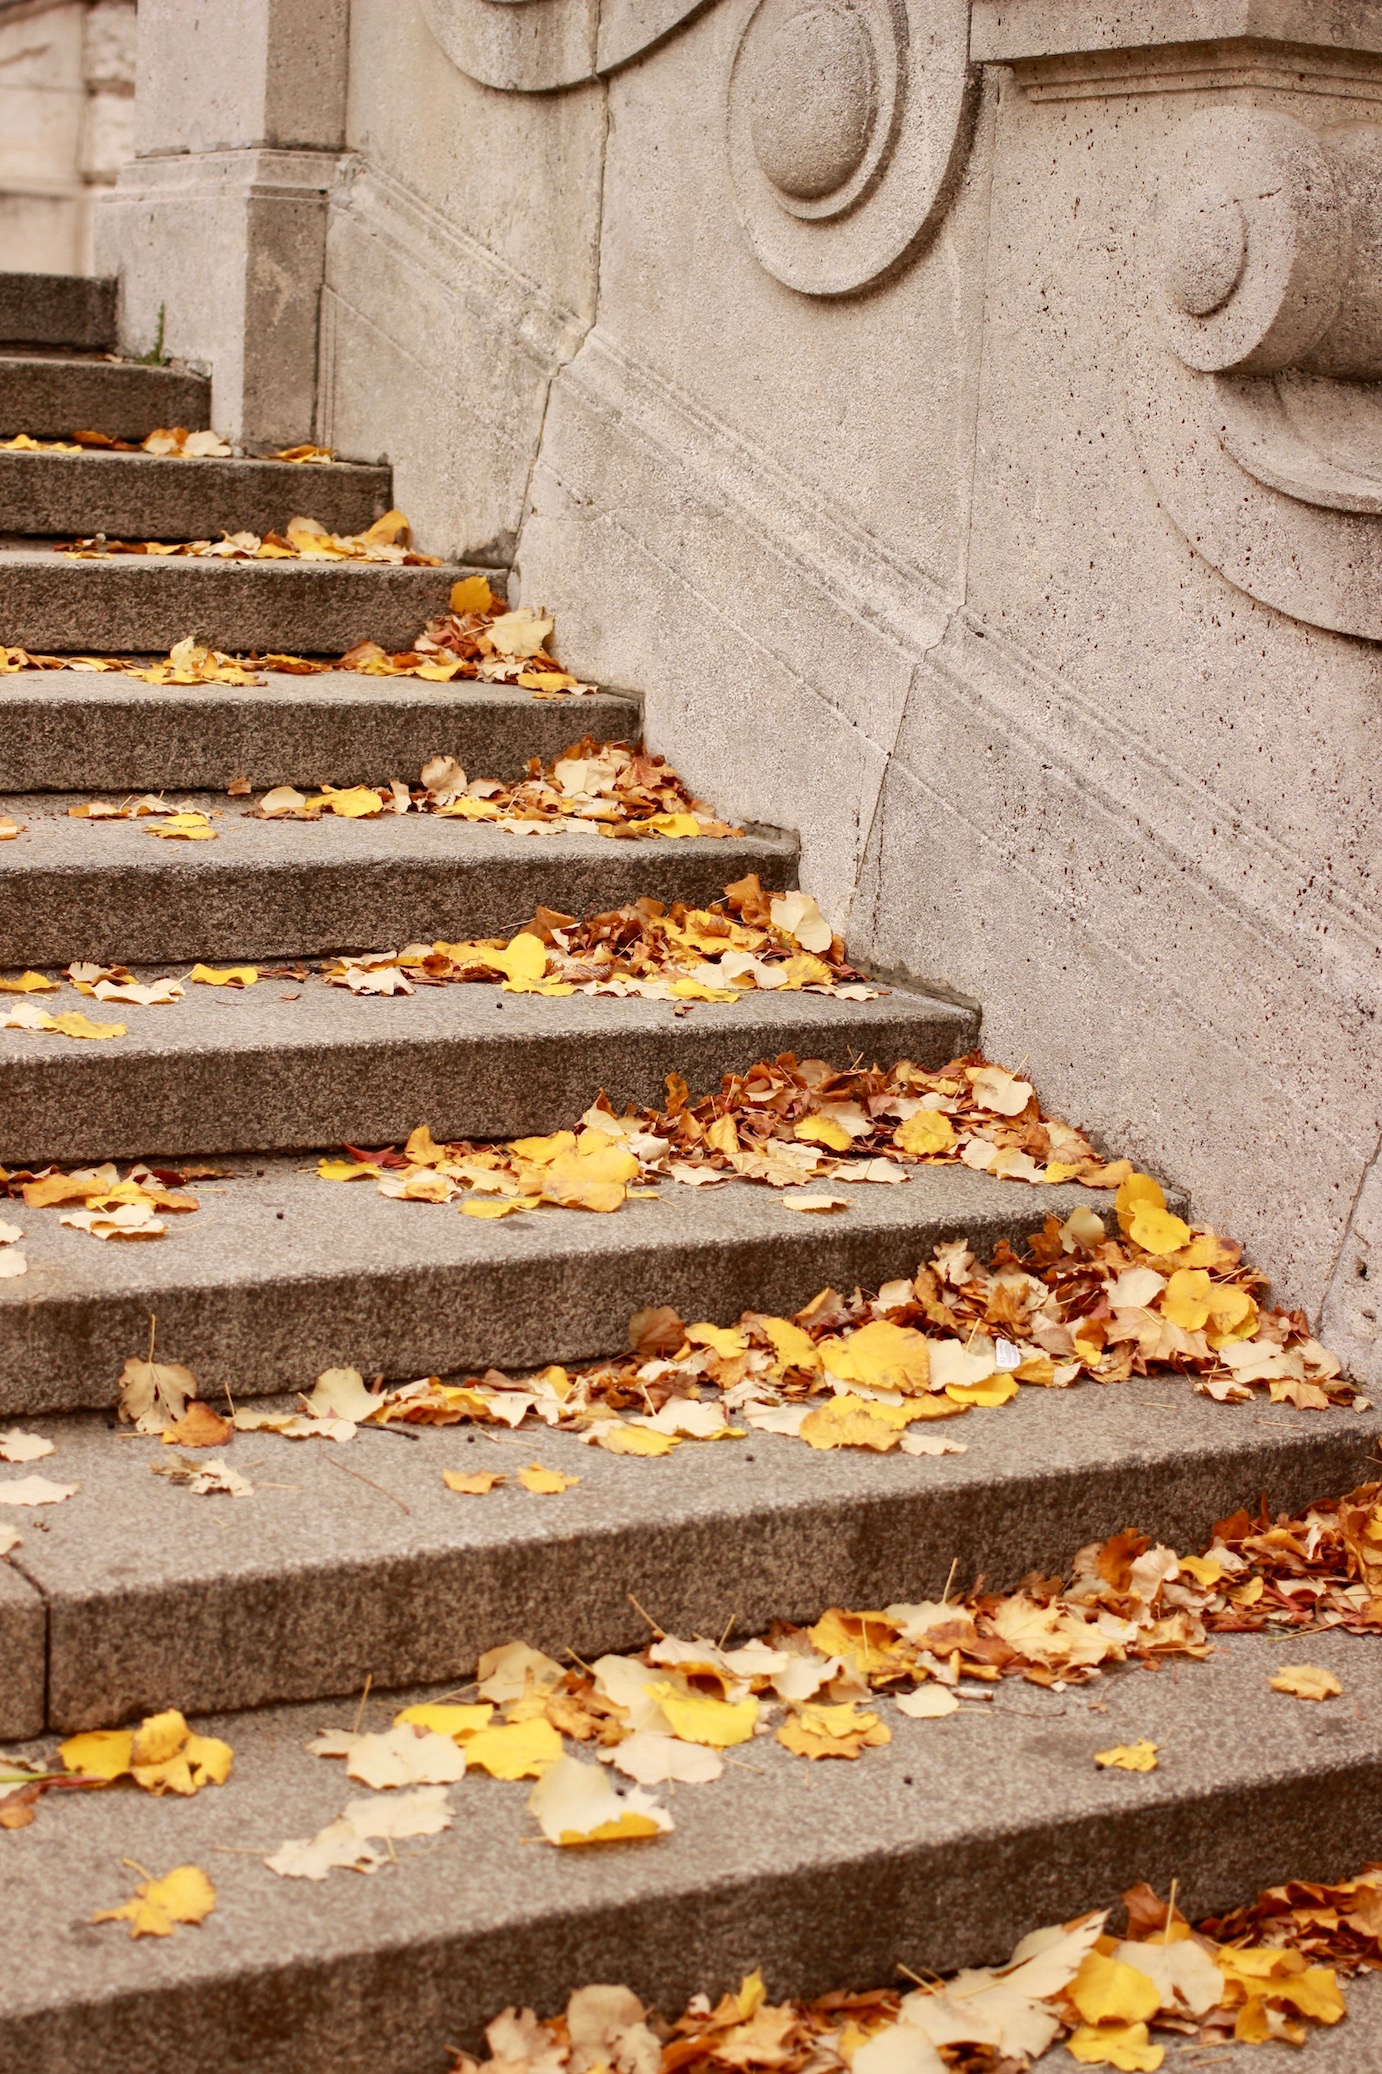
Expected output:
(832, 1731)
(576, 1803)
(546, 1482)
(199, 1426)
(653, 1759)
(16, 1446)
(224, 975)
(818, 1201)
(515, 1749)
(204, 1479)
(154, 1394)
(476, 1484)
(1129, 1757)
(35, 1490)
(929, 1702)
(1303, 1681)
(184, 1895)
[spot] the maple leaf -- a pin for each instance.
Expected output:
(474, 1484)
(547, 1483)
(184, 1895)
(154, 1394)
(832, 1731)
(1129, 1757)
(1306, 1682)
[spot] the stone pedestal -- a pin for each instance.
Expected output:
(218, 227)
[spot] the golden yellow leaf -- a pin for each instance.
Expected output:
(1306, 1681)
(823, 1130)
(616, 1437)
(832, 1731)
(1142, 1214)
(851, 1421)
(498, 1206)
(1185, 1300)
(29, 983)
(724, 1340)
(515, 1749)
(880, 1356)
(1105, 1990)
(546, 1482)
(102, 1753)
(576, 1804)
(184, 1895)
(351, 802)
(190, 828)
(225, 975)
(478, 1484)
(460, 1723)
(1129, 1757)
(471, 594)
(1125, 2046)
(793, 1347)
(995, 1390)
(697, 1717)
(592, 1177)
(347, 1170)
(928, 1132)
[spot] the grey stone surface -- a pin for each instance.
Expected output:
(144, 497)
(48, 395)
(226, 1071)
(134, 604)
(66, 731)
(937, 1851)
(156, 1597)
(279, 1275)
(57, 310)
(23, 1650)
(1004, 30)
(108, 889)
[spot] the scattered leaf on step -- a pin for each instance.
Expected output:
(224, 975)
(819, 1201)
(576, 1803)
(204, 1479)
(27, 983)
(652, 1759)
(155, 1394)
(16, 1446)
(398, 1756)
(476, 1484)
(929, 1702)
(514, 1749)
(446, 1719)
(163, 1755)
(35, 1490)
(29, 1016)
(1129, 1757)
(124, 1221)
(199, 1426)
(832, 1731)
(1127, 2047)
(189, 828)
(547, 1482)
(184, 1895)
(1303, 1681)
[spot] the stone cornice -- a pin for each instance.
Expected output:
(1010, 31)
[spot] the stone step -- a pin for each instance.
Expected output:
(355, 1560)
(222, 1072)
(152, 497)
(937, 1851)
(280, 1275)
(51, 395)
(141, 605)
(72, 731)
(58, 310)
(110, 890)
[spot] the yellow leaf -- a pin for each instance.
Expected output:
(346, 1170)
(793, 1347)
(29, 983)
(478, 1485)
(838, 1731)
(823, 1130)
(1135, 1191)
(1125, 2046)
(576, 1804)
(722, 1135)
(1129, 1757)
(814, 1202)
(1105, 1990)
(881, 1356)
(460, 1723)
(514, 1750)
(851, 1421)
(1185, 1299)
(184, 1895)
(928, 1132)
(591, 1178)
(498, 1206)
(724, 1340)
(547, 1482)
(998, 1389)
(1232, 1314)
(540, 1152)
(697, 1717)
(674, 826)
(351, 802)
(225, 976)
(102, 1753)
(74, 1024)
(1157, 1231)
(618, 1438)
(191, 828)
(471, 594)
(1205, 1571)
(159, 1737)
(1305, 1681)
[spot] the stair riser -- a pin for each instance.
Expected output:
(57, 310)
(137, 606)
(424, 1614)
(87, 1101)
(145, 914)
(129, 497)
(839, 1913)
(50, 398)
(73, 732)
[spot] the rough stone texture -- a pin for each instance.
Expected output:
(48, 396)
(65, 730)
(937, 1851)
(23, 1648)
(139, 497)
(157, 1598)
(279, 1275)
(139, 605)
(57, 310)
(219, 1071)
(1051, 751)
(269, 888)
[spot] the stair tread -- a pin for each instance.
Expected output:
(156, 1597)
(50, 395)
(150, 497)
(352, 1277)
(822, 1875)
(109, 732)
(142, 604)
(76, 888)
(57, 310)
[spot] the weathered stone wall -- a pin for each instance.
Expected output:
(66, 125)
(1005, 514)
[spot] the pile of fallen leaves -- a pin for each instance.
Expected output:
(597, 788)
(479, 638)
(172, 442)
(98, 1200)
(1270, 1972)
(302, 539)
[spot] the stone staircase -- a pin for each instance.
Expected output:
(357, 1567)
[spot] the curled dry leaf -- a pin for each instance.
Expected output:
(347, 1843)
(155, 1394)
(163, 1755)
(204, 1479)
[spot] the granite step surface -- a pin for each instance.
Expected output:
(58, 310)
(72, 887)
(280, 1274)
(75, 731)
(55, 604)
(164, 497)
(354, 1560)
(281, 1066)
(50, 395)
(938, 1851)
